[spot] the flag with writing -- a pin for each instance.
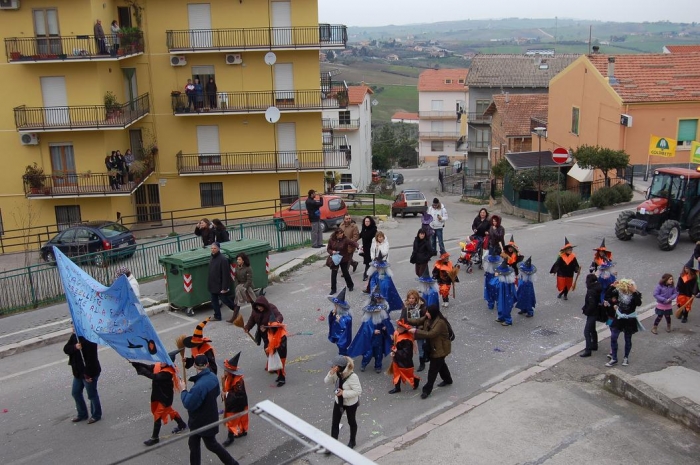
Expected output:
(110, 316)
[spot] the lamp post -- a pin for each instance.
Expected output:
(540, 131)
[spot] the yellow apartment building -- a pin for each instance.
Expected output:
(246, 127)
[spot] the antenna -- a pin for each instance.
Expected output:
(556, 29)
(590, 36)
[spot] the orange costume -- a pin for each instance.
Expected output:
(402, 360)
(277, 342)
(235, 399)
(441, 273)
(199, 345)
(602, 256)
(687, 287)
(565, 267)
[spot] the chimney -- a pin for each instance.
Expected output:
(596, 49)
(507, 98)
(611, 71)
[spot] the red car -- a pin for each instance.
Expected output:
(332, 213)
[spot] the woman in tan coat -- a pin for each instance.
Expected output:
(436, 329)
(243, 284)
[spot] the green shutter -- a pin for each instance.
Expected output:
(687, 129)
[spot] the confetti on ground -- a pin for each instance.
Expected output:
(496, 349)
(305, 333)
(303, 358)
(5, 410)
(313, 371)
(321, 318)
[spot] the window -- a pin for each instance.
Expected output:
(346, 177)
(483, 138)
(436, 105)
(687, 131)
(448, 81)
(482, 106)
(67, 216)
(343, 117)
(574, 120)
(461, 81)
(289, 192)
(436, 146)
(211, 194)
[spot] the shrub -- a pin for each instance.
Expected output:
(625, 192)
(603, 197)
(569, 201)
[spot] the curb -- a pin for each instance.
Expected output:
(59, 336)
(274, 274)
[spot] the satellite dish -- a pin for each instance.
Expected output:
(270, 58)
(272, 114)
(375, 102)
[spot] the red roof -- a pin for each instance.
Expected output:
(405, 115)
(437, 80)
(517, 110)
(683, 48)
(662, 77)
(356, 94)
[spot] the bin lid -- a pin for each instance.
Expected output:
(249, 246)
(187, 258)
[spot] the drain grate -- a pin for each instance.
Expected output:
(543, 332)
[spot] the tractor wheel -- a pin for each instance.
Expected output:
(621, 225)
(694, 231)
(669, 234)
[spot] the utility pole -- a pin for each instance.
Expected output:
(540, 132)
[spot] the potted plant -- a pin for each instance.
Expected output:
(62, 56)
(342, 97)
(138, 169)
(112, 105)
(34, 176)
(86, 175)
(15, 56)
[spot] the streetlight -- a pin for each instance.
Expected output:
(540, 131)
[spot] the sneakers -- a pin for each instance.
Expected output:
(363, 367)
(609, 356)
(445, 304)
(179, 429)
(505, 323)
(151, 441)
(625, 362)
(611, 362)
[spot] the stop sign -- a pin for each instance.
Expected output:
(560, 155)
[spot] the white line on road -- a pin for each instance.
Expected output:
(593, 216)
(60, 322)
(403, 261)
(438, 408)
(536, 227)
(497, 378)
(31, 458)
(300, 290)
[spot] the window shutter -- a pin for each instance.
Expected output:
(687, 129)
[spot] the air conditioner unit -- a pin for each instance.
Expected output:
(234, 59)
(29, 138)
(179, 60)
(626, 120)
(9, 4)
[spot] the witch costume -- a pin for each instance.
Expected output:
(235, 399)
(402, 355)
(373, 338)
(490, 280)
(506, 293)
(428, 288)
(606, 276)
(381, 275)
(526, 300)
(565, 267)
(340, 323)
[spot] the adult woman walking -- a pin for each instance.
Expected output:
(434, 328)
(422, 251)
(339, 256)
(346, 395)
(369, 230)
(623, 299)
(480, 227)
(243, 284)
(497, 234)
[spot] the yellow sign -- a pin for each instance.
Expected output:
(695, 152)
(662, 147)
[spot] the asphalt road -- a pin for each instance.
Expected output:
(36, 385)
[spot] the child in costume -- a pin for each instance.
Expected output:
(277, 342)
(490, 280)
(340, 323)
(506, 293)
(606, 276)
(415, 308)
(381, 275)
(428, 288)
(164, 383)
(445, 274)
(511, 255)
(687, 287)
(402, 355)
(601, 256)
(525, 295)
(373, 338)
(235, 399)
(565, 267)
(198, 345)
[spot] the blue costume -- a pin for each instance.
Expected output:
(368, 343)
(506, 293)
(429, 289)
(606, 276)
(382, 277)
(490, 280)
(526, 289)
(340, 323)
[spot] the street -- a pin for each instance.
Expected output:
(36, 385)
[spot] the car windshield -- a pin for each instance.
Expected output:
(335, 205)
(296, 206)
(113, 229)
(661, 184)
(414, 196)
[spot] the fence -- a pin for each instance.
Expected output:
(38, 285)
(465, 183)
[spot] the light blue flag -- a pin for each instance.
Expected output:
(110, 316)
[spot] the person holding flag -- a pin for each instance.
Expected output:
(83, 360)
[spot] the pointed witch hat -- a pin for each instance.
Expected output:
(512, 244)
(527, 267)
(602, 248)
(426, 277)
(273, 323)
(504, 269)
(340, 299)
(693, 264)
(403, 319)
(567, 245)
(198, 337)
(380, 261)
(231, 365)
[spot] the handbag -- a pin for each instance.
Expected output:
(274, 362)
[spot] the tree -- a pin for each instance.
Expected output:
(394, 143)
(501, 169)
(602, 158)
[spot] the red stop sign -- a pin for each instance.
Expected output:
(560, 155)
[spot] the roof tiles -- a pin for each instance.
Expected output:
(356, 94)
(516, 71)
(683, 48)
(441, 80)
(405, 115)
(516, 111)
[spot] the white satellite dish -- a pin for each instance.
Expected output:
(375, 102)
(272, 114)
(270, 58)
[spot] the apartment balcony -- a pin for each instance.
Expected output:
(441, 135)
(478, 118)
(254, 102)
(438, 115)
(79, 48)
(81, 118)
(321, 37)
(79, 185)
(478, 146)
(261, 162)
(341, 124)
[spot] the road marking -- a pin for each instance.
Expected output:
(300, 290)
(403, 261)
(560, 347)
(31, 458)
(130, 421)
(36, 327)
(497, 378)
(444, 405)
(597, 214)
(536, 227)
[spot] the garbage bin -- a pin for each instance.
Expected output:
(186, 276)
(257, 251)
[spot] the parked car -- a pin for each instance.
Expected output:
(345, 188)
(397, 178)
(332, 213)
(443, 160)
(94, 236)
(409, 201)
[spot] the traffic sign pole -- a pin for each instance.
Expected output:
(560, 155)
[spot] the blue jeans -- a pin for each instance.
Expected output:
(614, 334)
(437, 236)
(77, 392)
(217, 305)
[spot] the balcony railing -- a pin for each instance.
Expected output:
(478, 146)
(341, 125)
(251, 162)
(253, 102)
(81, 185)
(81, 118)
(451, 135)
(73, 48)
(323, 36)
(437, 115)
(476, 117)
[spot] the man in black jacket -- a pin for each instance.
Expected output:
(219, 281)
(314, 202)
(591, 310)
(82, 357)
(202, 407)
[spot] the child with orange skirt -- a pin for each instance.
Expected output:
(402, 355)
(235, 399)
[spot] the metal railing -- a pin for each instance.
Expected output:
(323, 36)
(252, 102)
(249, 162)
(439, 135)
(73, 48)
(341, 125)
(437, 115)
(478, 146)
(81, 184)
(476, 117)
(84, 117)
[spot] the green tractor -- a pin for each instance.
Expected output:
(672, 205)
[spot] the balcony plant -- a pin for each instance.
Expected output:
(112, 105)
(139, 169)
(34, 176)
(342, 98)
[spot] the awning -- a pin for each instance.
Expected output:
(580, 174)
(527, 160)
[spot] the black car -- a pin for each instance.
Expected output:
(397, 178)
(87, 238)
(443, 160)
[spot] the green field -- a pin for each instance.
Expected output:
(374, 73)
(393, 99)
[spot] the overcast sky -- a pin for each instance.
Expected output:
(385, 12)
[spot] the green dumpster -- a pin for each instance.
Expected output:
(257, 251)
(186, 275)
